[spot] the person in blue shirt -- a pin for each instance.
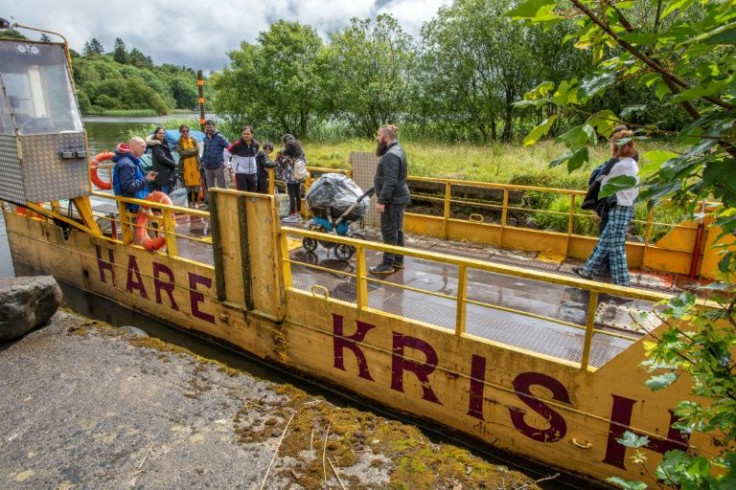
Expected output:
(213, 156)
(127, 175)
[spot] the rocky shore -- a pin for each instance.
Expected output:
(86, 405)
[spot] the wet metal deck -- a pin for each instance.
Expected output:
(510, 328)
(436, 304)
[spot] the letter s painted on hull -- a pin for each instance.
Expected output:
(557, 425)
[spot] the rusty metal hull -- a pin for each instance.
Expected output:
(505, 379)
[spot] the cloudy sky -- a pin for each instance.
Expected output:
(199, 34)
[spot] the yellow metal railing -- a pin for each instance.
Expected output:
(463, 266)
(165, 219)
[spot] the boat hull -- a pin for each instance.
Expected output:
(533, 405)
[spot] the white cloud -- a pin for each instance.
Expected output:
(199, 34)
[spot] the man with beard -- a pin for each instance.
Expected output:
(393, 196)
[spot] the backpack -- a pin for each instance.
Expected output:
(300, 168)
(591, 200)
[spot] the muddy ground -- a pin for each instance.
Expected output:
(85, 405)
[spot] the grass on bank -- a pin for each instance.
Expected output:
(497, 163)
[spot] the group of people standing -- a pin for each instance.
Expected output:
(244, 160)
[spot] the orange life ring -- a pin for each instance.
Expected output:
(142, 237)
(93, 164)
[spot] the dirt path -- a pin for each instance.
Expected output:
(87, 406)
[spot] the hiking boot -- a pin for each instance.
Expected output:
(382, 269)
(399, 265)
(580, 271)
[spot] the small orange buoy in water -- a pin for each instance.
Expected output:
(142, 237)
(94, 164)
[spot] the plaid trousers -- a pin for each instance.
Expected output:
(611, 246)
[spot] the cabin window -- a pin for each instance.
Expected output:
(38, 88)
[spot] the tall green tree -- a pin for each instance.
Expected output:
(120, 52)
(276, 81)
(476, 64)
(140, 60)
(372, 65)
(683, 50)
(93, 47)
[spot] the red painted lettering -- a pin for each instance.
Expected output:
(167, 286)
(106, 266)
(621, 422)
(196, 297)
(421, 370)
(477, 384)
(138, 283)
(557, 425)
(341, 342)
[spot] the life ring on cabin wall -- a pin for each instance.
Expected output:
(142, 236)
(94, 164)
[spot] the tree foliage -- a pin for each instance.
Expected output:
(372, 65)
(104, 82)
(682, 52)
(120, 52)
(276, 81)
(93, 47)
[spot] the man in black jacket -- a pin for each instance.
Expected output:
(393, 196)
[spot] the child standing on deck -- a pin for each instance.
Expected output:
(263, 162)
(291, 164)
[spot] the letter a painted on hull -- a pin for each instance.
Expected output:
(421, 370)
(340, 342)
(133, 270)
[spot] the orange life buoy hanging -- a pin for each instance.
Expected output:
(142, 237)
(94, 164)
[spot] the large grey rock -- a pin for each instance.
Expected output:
(26, 303)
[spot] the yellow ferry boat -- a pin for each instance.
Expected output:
(535, 362)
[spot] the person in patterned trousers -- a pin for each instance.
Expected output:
(611, 246)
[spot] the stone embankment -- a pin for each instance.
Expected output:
(86, 405)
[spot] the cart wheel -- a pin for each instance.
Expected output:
(309, 244)
(344, 252)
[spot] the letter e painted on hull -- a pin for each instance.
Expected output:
(196, 297)
(421, 370)
(340, 342)
(557, 425)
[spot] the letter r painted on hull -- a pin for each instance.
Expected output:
(340, 342)
(421, 370)
(621, 412)
(167, 286)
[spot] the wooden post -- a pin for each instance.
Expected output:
(200, 89)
